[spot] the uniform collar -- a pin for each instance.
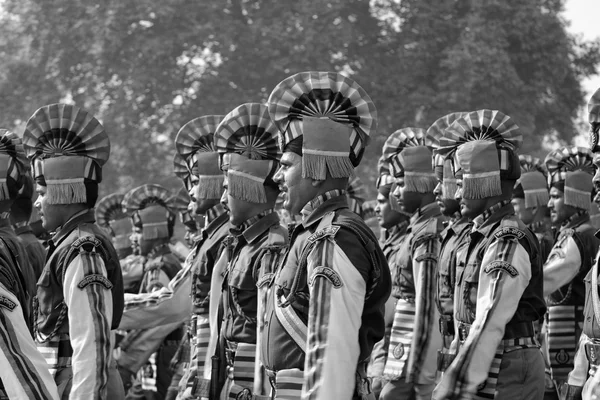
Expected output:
(575, 220)
(76, 219)
(456, 225)
(259, 225)
(425, 213)
(485, 220)
(535, 226)
(213, 213)
(216, 223)
(21, 229)
(323, 204)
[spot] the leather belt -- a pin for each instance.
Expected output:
(514, 330)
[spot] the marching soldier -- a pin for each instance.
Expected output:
(110, 216)
(20, 215)
(414, 341)
(195, 145)
(80, 291)
(455, 233)
(325, 309)
(181, 202)
(246, 140)
(393, 224)
(25, 373)
(570, 171)
(498, 293)
(150, 351)
(587, 359)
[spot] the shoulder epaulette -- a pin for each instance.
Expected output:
(510, 229)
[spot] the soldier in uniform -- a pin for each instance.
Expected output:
(584, 375)
(393, 225)
(570, 171)
(414, 340)
(498, 289)
(150, 351)
(20, 216)
(246, 140)
(325, 309)
(181, 202)
(457, 228)
(24, 374)
(80, 291)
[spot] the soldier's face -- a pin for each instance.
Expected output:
(297, 191)
(387, 217)
(198, 205)
(448, 205)
(239, 210)
(559, 211)
(596, 178)
(408, 201)
(469, 208)
(525, 214)
(53, 215)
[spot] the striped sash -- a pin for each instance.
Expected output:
(241, 376)
(400, 340)
(57, 352)
(290, 321)
(563, 335)
(147, 374)
(288, 384)
(200, 342)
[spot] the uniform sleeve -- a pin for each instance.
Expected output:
(87, 293)
(563, 264)
(155, 279)
(164, 306)
(23, 365)
(578, 376)
(427, 340)
(505, 273)
(337, 294)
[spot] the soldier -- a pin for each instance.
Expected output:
(530, 200)
(80, 291)
(414, 341)
(393, 225)
(25, 373)
(246, 140)
(181, 202)
(326, 303)
(587, 359)
(455, 233)
(20, 216)
(570, 171)
(498, 285)
(195, 145)
(150, 351)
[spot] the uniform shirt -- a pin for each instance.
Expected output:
(80, 297)
(254, 254)
(16, 248)
(34, 249)
(336, 290)
(390, 246)
(545, 237)
(498, 281)
(454, 234)
(569, 261)
(24, 373)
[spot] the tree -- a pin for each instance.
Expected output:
(146, 67)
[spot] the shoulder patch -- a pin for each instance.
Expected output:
(328, 274)
(427, 257)
(424, 238)
(501, 266)
(509, 233)
(331, 231)
(7, 303)
(95, 279)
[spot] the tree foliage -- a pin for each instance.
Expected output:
(145, 67)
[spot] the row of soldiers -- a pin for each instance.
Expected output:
(449, 305)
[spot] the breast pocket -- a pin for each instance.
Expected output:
(470, 287)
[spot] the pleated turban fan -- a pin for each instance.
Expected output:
(532, 185)
(594, 120)
(13, 165)
(442, 166)
(195, 144)
(182, 171)
(408, 152)
(179, 203)
(67, 147)
(246, 140)
(483, 145)
(111, 216)
(150, 207)
(574, 166)
(333, 115)
(356, 195)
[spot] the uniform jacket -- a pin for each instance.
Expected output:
(35, 251)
